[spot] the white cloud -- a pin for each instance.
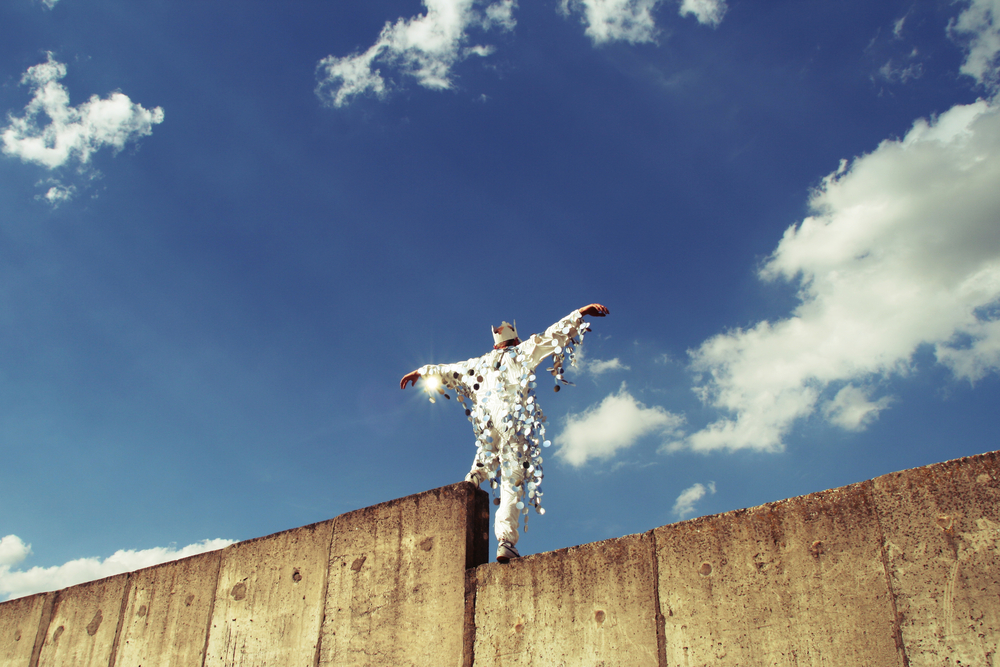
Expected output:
(57, 192)
(72, 132)
(900, 59)
(600, 366)
(708, 12)
(632, 20)
(903, 250)
(12, 551)
(850, 409)
(425, 47)
(980, 357)
(616, 423)
(897, 27)
(18, 583)
(898, 73)
(684, 505)
(615, 20)
(979, 26)
(501, 15)
(49, 4)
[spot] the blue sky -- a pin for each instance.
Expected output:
(228, 229)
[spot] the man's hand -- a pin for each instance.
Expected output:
(409, 378)
(595, 309)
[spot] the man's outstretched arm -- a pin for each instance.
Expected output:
(595, 309)
(409, 378)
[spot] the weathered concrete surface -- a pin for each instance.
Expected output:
(168, 611)
(397, 579)
(19, 622)
(941, 525)
(903, 570)
(797, 582)
(84, 624)
(588, 605)
(269, 599)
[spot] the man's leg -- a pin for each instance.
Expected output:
(507, 520)
(508, 516)
(481, 470)
(484, 463)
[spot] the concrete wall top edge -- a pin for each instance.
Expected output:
(832, 495)
(168, 563)
(825, 497)
(460, 490)
(308, 528)
(465, 488)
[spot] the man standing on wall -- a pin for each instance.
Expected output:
(497, 392)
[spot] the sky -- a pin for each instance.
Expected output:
(227, 230)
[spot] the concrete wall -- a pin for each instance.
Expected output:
(381, 585)
(902, 570)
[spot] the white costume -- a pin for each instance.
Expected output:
(497, 390)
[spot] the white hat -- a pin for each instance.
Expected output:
(504, 332)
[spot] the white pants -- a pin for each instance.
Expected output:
(508, 517)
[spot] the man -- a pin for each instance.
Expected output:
(497, 391)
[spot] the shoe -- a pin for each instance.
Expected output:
(506, 551)
(477, 477)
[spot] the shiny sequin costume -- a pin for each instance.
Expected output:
(498, 393)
